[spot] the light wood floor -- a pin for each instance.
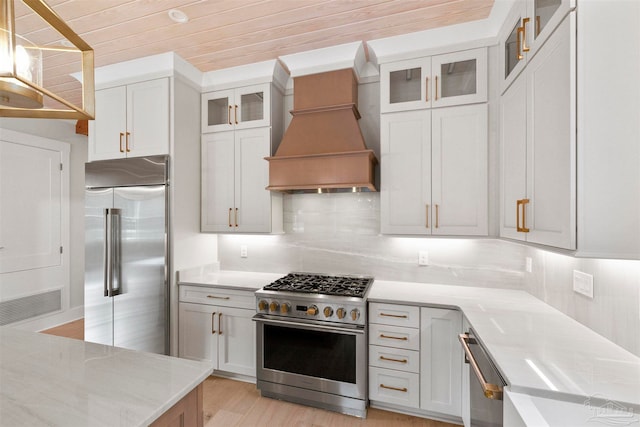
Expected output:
(229, 403)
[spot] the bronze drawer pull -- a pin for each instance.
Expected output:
(399, 316)
(216, 297)
(393, 360)
(403, 389)
(394, 338)
(213, 328)
(219, 323)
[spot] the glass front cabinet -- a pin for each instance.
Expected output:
(436, 81)
(240, 108)
(528, 26)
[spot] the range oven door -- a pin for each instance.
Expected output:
(323, 358)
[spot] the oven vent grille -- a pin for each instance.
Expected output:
(24, 308)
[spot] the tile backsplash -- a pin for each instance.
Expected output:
(339, 233)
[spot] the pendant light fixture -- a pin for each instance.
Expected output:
(22, 86)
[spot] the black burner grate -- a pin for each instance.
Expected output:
(322, 284)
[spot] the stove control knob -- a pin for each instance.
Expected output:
(274, 307)
(328, 311)
(355, 314)
(263, 305)
(341, 312)
(285, 308)
(312, 311)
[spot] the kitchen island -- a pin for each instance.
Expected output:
(56, 381)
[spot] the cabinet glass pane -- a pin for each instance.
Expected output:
(544, 10)
(218, 111)
(252, 106)
(458, 78)
(511, 51)
(405, 85)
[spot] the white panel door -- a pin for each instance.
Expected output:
(405, 85)
(236, 341)
(459, 170)
(551, 140)
(441, 355)
(148, 118)
(405, 193)
(218, 181)
(107, 137)
(197, 337)
(30, 207)
(252, 106)
(252, 211)
(513, 137)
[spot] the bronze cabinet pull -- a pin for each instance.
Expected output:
(236, 217)
(525, 48)
(426, 91)
(121, 136)
(427, 216)
(229, 115)
(393, 360)
(403, 389)
(437, 216)
(230, 225)
(521, 203)
(436, 98)
(127, 142)
(519, 36)
(216, 297)
(399, 316)
(394, 338)
(213, 328)
(236, 114)
(219, 323)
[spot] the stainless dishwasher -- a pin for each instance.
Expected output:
(485, 384)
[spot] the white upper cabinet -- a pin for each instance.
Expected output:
(437, 81)
(241, 108)
(131, 121)
(538, 134)
(528, 26)
(434, 171)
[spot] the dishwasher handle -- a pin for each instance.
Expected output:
(491, 391)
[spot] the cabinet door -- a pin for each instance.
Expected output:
(252, 211)
(544, 17)
(459, 170)
(551, 140)
(511, 56)
(459, 78)
(107, 131)
(404, 85)
(31, 203)
(251, 108)
(217, 182)
(236, 341)
(147, 118)
(405, 194)
(217, 111)
(197, 339)
(441, 356)
(513, 160)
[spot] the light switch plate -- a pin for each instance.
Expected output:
(243, 251)
(583, 283)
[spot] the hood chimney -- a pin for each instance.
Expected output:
(323, 147)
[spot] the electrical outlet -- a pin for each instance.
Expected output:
(528, 264)
(583, 283)
(423, 258)
(243, 251)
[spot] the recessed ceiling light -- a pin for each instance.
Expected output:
(178, 16)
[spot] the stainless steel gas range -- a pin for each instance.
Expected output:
(312, 341)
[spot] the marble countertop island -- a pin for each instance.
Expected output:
(47, 380)
(210, 275)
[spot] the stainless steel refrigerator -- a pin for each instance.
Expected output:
(126, 253)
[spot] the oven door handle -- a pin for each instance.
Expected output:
(349, 329)
(491, 391)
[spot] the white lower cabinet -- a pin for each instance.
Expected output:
(415, 361)
(216, 332)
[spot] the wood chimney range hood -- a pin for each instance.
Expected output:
(323, 147)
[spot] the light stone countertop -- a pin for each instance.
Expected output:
(210, 275)
(47, 380)
(539, 350)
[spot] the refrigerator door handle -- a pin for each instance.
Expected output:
(112, 270)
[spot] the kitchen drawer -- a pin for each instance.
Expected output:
(394, 314)
(394, 358)
(218, 296)
(394, 336)
(394, 387)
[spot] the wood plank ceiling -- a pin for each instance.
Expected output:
(227, 33)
